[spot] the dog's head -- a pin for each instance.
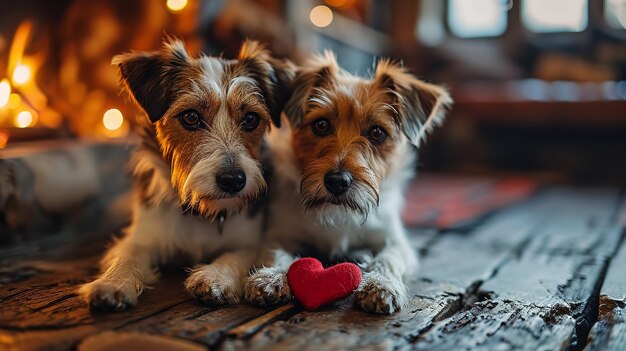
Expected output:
(209, 116)
(349, 133)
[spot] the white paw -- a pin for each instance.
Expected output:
(380, 294)
(110, 294)
(212, 286)
(267, 286)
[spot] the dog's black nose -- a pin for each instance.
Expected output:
(231, 181)
(338, 182)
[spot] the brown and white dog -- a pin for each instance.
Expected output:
(340, 175)
(199, 164)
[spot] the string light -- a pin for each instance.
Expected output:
(21, 74)
(176, 5)
(321, 16)
(23, 119)
(113, 119)
(5, 92)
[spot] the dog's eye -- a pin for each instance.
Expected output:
(376, 135)
(190, 119)
(250, 121)
(321, 127)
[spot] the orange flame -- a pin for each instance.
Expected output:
(22, 71)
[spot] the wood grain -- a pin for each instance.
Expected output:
(609, 333)
(545, 274)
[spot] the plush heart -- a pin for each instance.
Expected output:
(313, 286)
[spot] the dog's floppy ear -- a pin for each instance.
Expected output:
(273, 76)
(148, 76)
(419, 106)
(314, 74)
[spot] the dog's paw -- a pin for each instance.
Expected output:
(109, 294)
(267, 286)
(380, 294)
(208, 284)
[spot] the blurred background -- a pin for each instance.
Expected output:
(539, 85)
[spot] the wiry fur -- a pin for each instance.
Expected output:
(367, 216)
(177, 200)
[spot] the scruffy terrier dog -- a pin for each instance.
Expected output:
(197, 167)
(341, 173)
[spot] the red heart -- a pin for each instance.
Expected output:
(315, 286)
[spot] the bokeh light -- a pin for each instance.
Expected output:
(21, 74)
(113, 119)
(5, 92)
(24, 119)
(321, 16)
(176, 5)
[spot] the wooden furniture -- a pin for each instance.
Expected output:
(537, 103)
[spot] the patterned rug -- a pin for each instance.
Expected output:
(438, 201)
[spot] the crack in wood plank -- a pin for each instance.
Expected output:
(438, 294)
(247, 329)
(473, 293)
(607, 328)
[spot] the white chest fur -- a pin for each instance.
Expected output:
(172, 233)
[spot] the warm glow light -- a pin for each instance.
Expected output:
(21, 74)
(5, 92)
(113, 119)
(321, 16)
(14, 100)
(337, 3)
(4, 139)
(22, 69)
(176, 5)
(23, 119)
(555, 15)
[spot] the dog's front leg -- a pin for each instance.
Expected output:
(126, 269)
(382, 289)
(268, 285)
(221, 282)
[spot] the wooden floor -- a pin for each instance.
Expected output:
(545, 274)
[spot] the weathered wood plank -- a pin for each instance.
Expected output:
(193, 321)
(122, 341)
(537, 301)
(440, 291)
(252, 326)
(55, 307)
(525, 278)
(609, 332)
(40, 307)
(41, 310)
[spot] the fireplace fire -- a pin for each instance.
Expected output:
(56, 80)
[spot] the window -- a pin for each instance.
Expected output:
(615, 13)
(545, 16)
(477, 18)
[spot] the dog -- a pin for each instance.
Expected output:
(199, 165)
(341, 171)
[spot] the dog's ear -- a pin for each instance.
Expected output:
(419, 106)
(273, 76)
(148, 76)
(316, 73)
